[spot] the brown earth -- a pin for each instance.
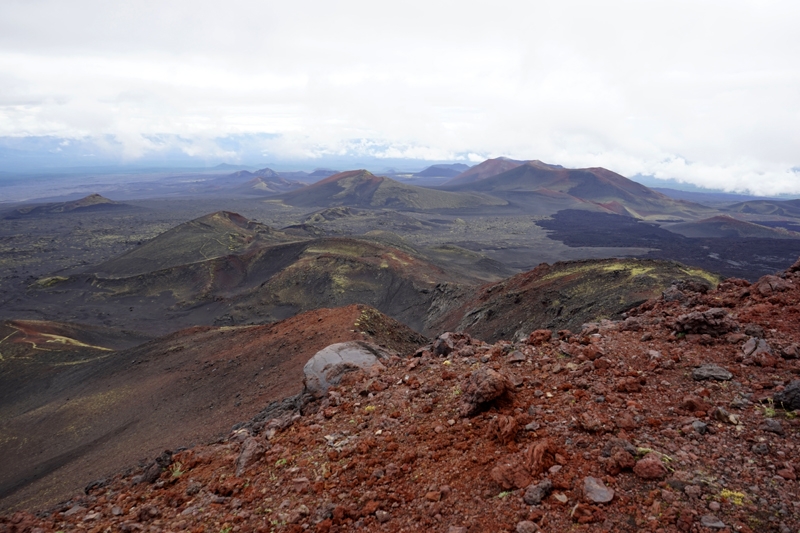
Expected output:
(83, 417)
(616, 428)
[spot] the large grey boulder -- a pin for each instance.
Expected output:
(328, 365)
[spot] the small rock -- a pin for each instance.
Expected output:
(711, 521)
(526, 526)
(596, 491)
(116, 510)
(511, 474)
(711, 371)
(700, 427)
(516, 357)
(75, 509)
(773, 426)
(534, 494)
(483, 385)
(457, 529)
(433, 496)
(561, 497)
(650, 467)
(382, 516)
(252, 451)
(714, 506)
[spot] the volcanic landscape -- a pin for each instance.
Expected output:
(514, 346)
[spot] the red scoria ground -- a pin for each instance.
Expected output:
(460, 441)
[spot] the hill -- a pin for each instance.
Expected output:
(724, 226)
(189, 387)
(215, 235)
(590, 188)
(93, 202)
(487, 169)
(224, 269)
(360, 188)
(565, 296)
(784, 208)
(442, 171)
(679, 418)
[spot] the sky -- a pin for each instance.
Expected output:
(703, 92)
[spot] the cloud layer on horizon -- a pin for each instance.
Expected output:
(703, 92)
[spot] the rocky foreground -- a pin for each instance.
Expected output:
(679, 418)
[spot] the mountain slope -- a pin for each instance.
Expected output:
(565, 296)
(360, 188)
(661, 422)
(596, 188)
(189, 387)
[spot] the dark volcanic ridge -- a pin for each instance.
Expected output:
(747, 258)
(567, 295)
(93, 202)
(681, 417)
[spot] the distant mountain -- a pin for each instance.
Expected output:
(784, 208)
(487, 169)
(268, 186)
(443, 171)
(263, 173)
(725, 226)
(322, 173)
(93, 202)
(227, 166)
(535, 182)
(360, 188)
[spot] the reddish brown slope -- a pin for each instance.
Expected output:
(186, 388)
(612, 421)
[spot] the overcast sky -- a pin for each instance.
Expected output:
(707, 92)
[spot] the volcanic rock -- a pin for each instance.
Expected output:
(252, 451)
(714, 322)
(535, 493)
(789, 398)
(594, 490)
(483, 385)
(328, 365)
(650, 467)
(711, 371)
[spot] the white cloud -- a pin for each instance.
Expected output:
(702, 91)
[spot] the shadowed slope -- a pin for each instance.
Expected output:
(166, 284)
(565, 296)
(189, 387)
(218, 234)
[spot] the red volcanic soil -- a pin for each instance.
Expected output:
(86, 418)
(620, 427)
